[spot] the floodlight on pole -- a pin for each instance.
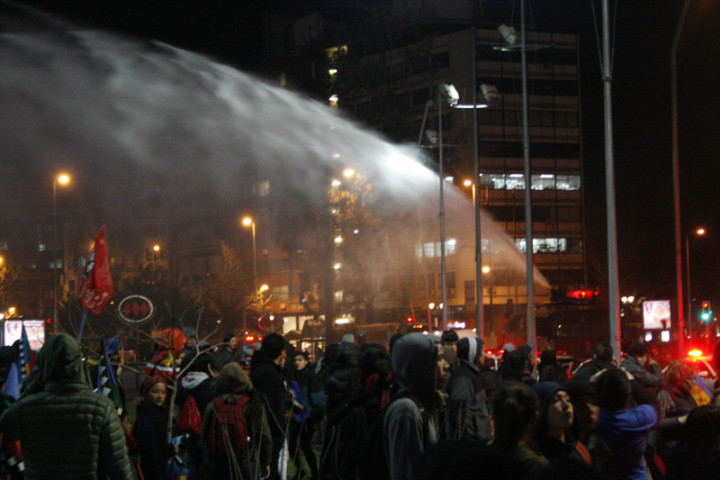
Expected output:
(444, 89)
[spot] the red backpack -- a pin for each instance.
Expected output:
(228, 429)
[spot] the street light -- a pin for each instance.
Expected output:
(61, 179)
(471, 184)
(699, 232)
(491, 97)
(249, 222)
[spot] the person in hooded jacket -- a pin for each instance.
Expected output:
(233, 382)
(150, 430)
(305, 422)
(266, 374)
(467, 413)
(342, 382)
(198, 382)
(552, 430)
(410, 424)
(67, 431)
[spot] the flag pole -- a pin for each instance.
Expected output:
(82, 324)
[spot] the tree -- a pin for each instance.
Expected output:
(228, 289)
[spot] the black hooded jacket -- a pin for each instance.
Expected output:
(68, 432)
(267, 377)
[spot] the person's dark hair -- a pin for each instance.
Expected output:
(200, 363)
(702, 427)
(373, 359)
(515, 407)
(304, 354)
(613, 388)
(272, 346)
(604, 352)
(637, 350)
(394, 339)
(449, 336)
(228, 337)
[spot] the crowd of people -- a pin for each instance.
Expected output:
(422, 407)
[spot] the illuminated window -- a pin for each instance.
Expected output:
(280, 293)
(543, 181)
(432, 249)
(549, 245)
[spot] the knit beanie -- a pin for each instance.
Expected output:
(470, 349)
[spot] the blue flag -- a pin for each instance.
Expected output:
(24, 356)
(12, 384)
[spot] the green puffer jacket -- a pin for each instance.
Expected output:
(66, 430)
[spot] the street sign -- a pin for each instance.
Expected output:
(135, 309)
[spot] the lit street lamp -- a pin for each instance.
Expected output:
(61, 179)
(471, 184)
(249, 222)
(699, 232)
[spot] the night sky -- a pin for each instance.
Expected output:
(643, 31)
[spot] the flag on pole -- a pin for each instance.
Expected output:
(96, 286)
(12, 384)
(24, 355)
(107, 383)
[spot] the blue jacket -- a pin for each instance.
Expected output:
(626, 432)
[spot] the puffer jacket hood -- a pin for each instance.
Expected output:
(414, 361)
(60, 360)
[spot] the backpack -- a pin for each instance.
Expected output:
(346, 432)
(190, 417)
(228, 429)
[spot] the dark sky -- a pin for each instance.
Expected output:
(643, 31)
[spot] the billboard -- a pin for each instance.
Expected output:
(35, 330)
(656, 314)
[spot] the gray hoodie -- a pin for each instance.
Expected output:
(408, 430)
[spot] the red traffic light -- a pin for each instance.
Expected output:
(705, 304)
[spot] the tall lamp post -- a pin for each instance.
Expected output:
(61, 179)
(491, 96)
(676, 175)
(514, 42)
(699, 232)
(249, 222)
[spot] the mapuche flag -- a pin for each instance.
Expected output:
(96, 286)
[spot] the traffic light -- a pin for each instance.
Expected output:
(706, 312)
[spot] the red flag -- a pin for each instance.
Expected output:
(96, 286)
